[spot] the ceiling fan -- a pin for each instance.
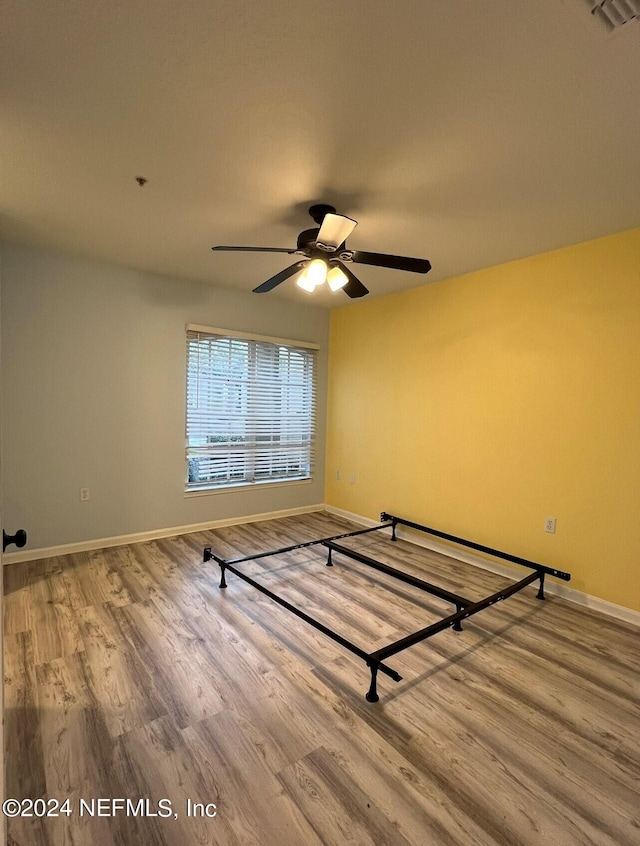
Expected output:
(325, 253)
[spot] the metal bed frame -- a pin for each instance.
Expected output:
(376, 660)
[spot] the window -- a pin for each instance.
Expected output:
(250, 409)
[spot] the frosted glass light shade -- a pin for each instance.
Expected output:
(336, 279)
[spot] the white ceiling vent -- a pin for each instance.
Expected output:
(613, 14)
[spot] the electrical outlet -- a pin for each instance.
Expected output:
(337, 474)
(550, 525)
(84, 494)
(352, 479)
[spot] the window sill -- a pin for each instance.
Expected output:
(244, 487)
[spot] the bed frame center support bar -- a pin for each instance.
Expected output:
(459, 601)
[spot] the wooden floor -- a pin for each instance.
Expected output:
(129, 674)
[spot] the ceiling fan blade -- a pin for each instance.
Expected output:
(394, 262)
(335, 230)
(270, 284)
(256, 249)
(354, 287)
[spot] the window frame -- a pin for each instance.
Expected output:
(208, 487)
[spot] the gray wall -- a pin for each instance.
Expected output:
(93, 395)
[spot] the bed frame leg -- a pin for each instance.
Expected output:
(372, 694)
(540, 594)
(329, 561)
(223, 581)
(393, 531)
(457, 626)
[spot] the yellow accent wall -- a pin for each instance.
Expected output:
(484, 403)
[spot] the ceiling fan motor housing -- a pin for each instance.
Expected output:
(319, 210)
(307, 239)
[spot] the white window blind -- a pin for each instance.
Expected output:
(251, 408)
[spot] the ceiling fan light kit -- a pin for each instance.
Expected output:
(325, 252)
(316, 273)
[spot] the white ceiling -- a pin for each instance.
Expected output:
(468, 132)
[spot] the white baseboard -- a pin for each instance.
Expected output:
(155, 534)
(619, 612)
(627, 615)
